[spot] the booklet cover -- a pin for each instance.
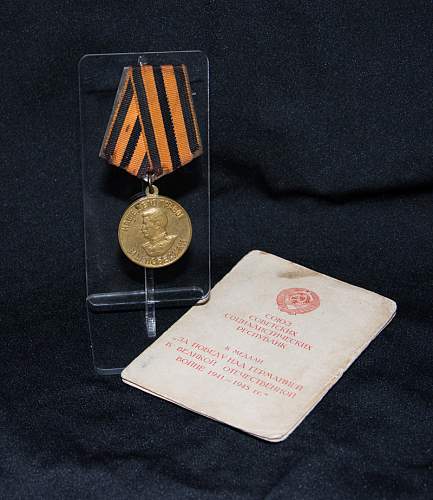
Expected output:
(260, 355)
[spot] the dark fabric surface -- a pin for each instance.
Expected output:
(321, 153)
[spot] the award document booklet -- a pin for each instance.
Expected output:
(270, 343)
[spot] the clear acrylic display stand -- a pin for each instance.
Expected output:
(121, 297)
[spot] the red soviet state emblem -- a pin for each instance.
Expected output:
(297, 301)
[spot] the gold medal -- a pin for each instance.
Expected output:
(153, 131)
(154, 231)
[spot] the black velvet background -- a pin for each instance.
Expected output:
(322, 153)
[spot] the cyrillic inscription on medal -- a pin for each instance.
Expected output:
(154, 231)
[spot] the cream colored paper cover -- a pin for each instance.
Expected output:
(259, 356)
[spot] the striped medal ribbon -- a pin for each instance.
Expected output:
(153, 131)
(153, 127)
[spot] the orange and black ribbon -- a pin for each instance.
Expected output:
(153, 128)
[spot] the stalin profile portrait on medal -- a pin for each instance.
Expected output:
(154, 231)
(154, 228)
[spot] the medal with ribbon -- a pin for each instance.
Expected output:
(152, 132)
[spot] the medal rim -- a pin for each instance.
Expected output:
(188, 219)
